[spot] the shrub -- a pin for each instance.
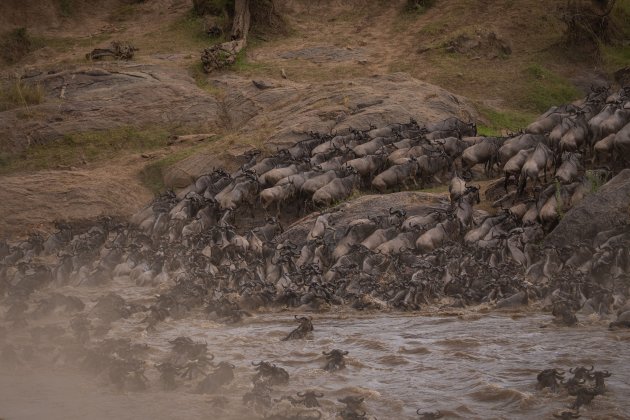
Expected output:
(14, 45)
(418, 6)
(593, 23)
(213, 7)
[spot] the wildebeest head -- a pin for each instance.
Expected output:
(548, 378)
(309, 398)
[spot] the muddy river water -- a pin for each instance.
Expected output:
(470, 366)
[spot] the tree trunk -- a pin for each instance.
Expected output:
(242, 20)
(222, 55)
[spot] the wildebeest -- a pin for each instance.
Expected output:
(437, 236)
(222, 375)
(369, 165)
(541, 159)
(396, 176)
(336, 190)
(464, 207)
(621, 144)
(355, 233)
(335, 360)
(486, 152)
(307, 399)
(616, 121)
(516, 144)
(550, 119)
(379, 236)
(305, 327)
(515, 164)
(456, 188)
(451, 127)
(548, 378)
(270, 373)
(423, 222)
(594, 124)
(277, 195)
(577, 136)
(315, 183)
(569, 169)
(602, 150)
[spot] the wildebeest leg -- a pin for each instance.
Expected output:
(415, 181)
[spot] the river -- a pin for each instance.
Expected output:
(475, 365)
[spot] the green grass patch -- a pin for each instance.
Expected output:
(186, 32)
(621, 16)
(596, 179)
(615, 57)
(543, 89)
(500, 121)
(243, 65)
(16, 94)
(79, 148)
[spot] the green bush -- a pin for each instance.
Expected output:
(14, 45)
(418, 6)
(213, 7)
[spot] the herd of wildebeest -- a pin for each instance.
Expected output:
(220, 244)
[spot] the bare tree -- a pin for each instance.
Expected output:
(246, 14)
(588, 21)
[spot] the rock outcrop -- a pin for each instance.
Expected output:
(603, 210)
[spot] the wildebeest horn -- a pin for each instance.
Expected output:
(318, 394)
(326, 353)
(300, 394)
(344, 352)
(256, 364)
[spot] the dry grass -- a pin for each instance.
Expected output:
(82, 148)
(16, 94)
